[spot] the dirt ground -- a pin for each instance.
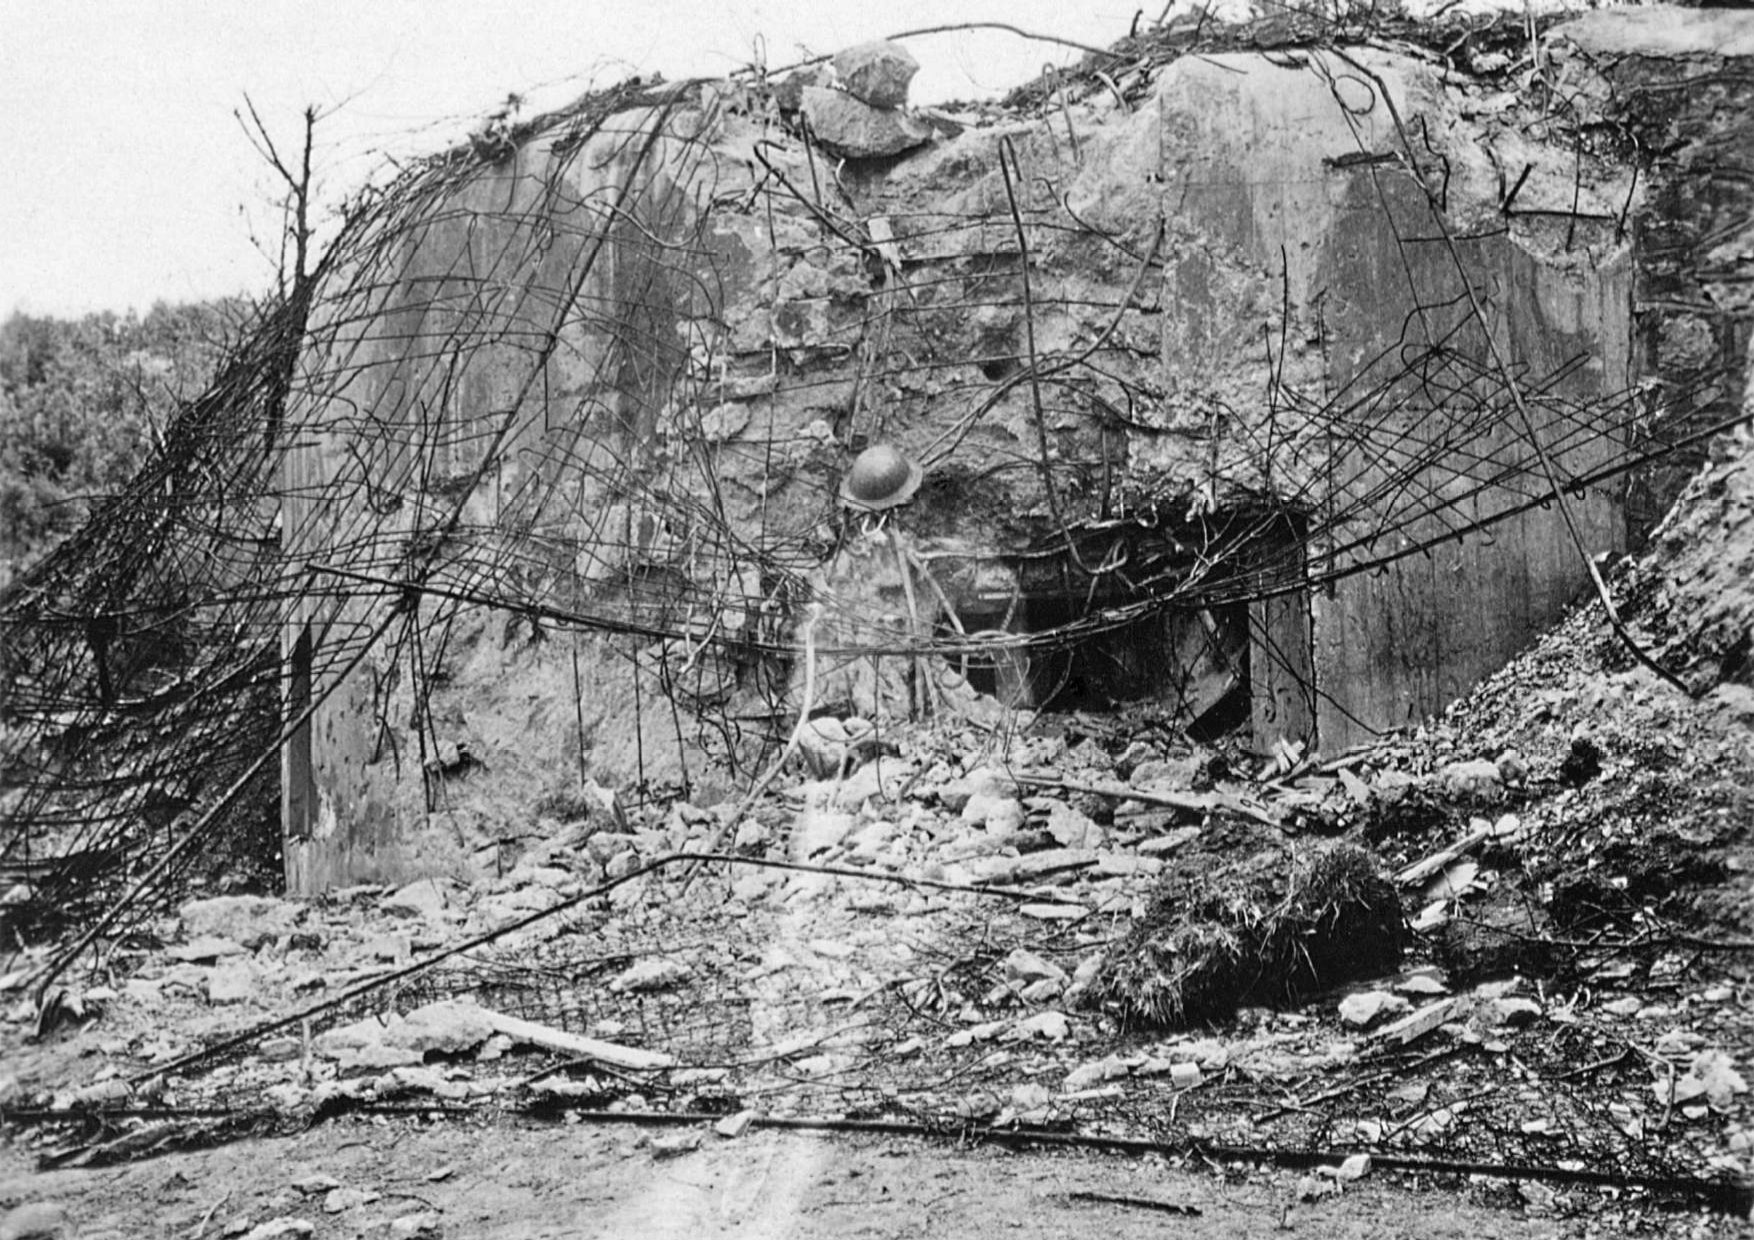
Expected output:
(521, 1180)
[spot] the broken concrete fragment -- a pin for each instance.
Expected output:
(1471, 781)
(1086, 1075)
(1054, 862)
(981, 780)
(877, 73)
(424, 1223)
(1361, 1010)
(1026, 966)
(231, 982)
(733, 1126)
(1070, 828)
(854, 129)
(1001, 815)
(447, 1027)
(276, 1228)
(204, 949)
(249, 920)
(340, 1200)
(1512, 1013)
(652, 973)
(1053, 1026)
(424, 897)
(1417, 1024)
(816, 831)
(1165, 774)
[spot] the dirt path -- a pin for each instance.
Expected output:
(519, 1181)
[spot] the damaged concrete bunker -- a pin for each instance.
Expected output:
(1175, 358)
(1285, 392)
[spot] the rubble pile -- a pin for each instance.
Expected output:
(942, 934)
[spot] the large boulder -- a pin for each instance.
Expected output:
(854, 129)
(876, 73)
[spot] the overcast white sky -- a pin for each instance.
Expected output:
(128, 180)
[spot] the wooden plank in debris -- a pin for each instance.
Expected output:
(549, 1038)
(1190, 802)
(1419, 871)
(1418, 1023)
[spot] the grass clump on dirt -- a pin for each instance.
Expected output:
(1267, 931)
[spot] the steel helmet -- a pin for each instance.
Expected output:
(881, 477)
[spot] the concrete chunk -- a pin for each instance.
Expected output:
(876, 73)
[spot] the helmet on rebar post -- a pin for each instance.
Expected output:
(882, 477)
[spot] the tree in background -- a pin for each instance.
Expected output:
(82, 402)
